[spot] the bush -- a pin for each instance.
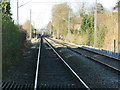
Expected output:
(101, 32)
(87, 26)
(11, 42)
(11, 39)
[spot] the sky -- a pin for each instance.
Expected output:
(41, 9)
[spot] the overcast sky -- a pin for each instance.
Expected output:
(41, 9)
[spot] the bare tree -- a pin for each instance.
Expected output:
(82, 9)
(100, 8)
(117, 5)
(60, 14)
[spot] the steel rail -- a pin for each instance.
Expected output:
(89, 50)
(89, 57)
(38, 61)
(86, 86)
(100, 54)
(97, 61)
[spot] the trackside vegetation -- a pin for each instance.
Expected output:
(87, 26)
(12, 39)
(78, 27)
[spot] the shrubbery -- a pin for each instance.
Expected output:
(101, 32)
(11, 39)
(11, 42)
(87, 27)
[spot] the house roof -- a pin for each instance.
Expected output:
(76, 26)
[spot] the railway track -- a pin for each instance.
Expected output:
(52, 72)
(70, 44)
(55, 72)
(16, 86)
(109, 62)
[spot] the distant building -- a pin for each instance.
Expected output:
(43, 31)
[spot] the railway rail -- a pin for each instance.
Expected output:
(76, 75)
(109, 62)
(70, 44)
(53, 71)
(77, 82)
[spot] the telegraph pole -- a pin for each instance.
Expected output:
(30, 26)
(18, 9)
(17, 12)
(51, 29)
(95, 24)
(69, 23)
(119, 29)
(69, 26)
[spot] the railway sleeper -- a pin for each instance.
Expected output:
(15, 86)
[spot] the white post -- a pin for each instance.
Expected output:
(119, 29)
(95, 24)
(50, 29)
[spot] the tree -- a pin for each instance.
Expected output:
(5, 9)
(87, 26)
(100, 8)
(117, 5)
(26, 27)
(60, 14)
(82, 9)
(49, 25)
(11, 38)
(91, 10)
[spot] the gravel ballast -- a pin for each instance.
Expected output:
(53, 71)
(94, 74)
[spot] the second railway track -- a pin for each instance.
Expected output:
(96, 74)
(112, 63)
(59, 68)
(54, 72)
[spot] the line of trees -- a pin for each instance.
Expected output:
(60, 21)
